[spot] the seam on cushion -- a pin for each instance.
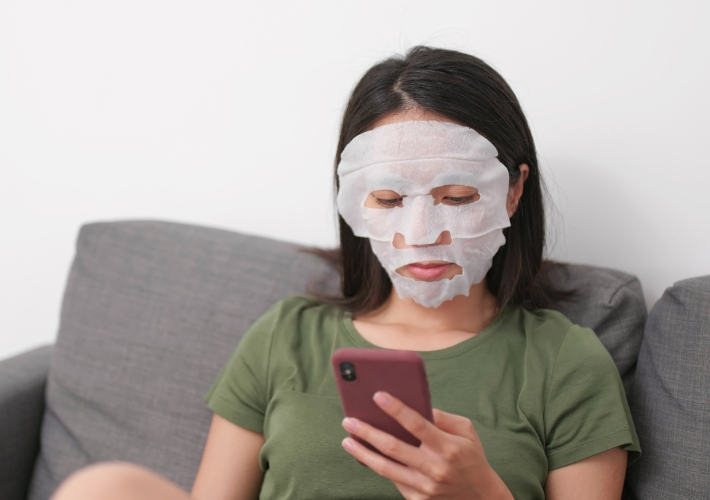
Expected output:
(640, 311)
(639, 306)
(575, 446)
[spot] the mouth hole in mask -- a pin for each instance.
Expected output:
(430, 271)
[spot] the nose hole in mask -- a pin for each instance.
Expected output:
(400, 243)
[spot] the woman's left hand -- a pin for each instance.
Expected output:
(449, 463)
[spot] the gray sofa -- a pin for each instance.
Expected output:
(152, 310)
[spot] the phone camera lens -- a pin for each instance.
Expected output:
(347, 371)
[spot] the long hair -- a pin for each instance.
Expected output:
(468, 91)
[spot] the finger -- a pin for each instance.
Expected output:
(383, 466)
(454, 424)
(383, 441)
(408, 418)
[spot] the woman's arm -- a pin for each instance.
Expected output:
(597, 477)
(230, 463)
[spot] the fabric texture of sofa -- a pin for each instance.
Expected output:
(152, 310)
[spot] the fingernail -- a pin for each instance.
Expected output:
(382, 398)
(349, 424)
(348, 444)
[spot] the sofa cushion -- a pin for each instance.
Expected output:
(152, 311)
(671, 396)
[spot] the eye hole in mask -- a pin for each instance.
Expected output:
(384, 198)
(454, 195)
(451, 195)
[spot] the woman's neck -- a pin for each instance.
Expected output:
(404, 324)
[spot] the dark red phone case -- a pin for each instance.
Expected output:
(399, 373)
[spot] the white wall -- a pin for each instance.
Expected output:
(225, 114)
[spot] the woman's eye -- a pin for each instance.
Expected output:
(460, 200)
(455, 195)
(389, 202)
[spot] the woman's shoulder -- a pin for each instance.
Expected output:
(542, 324)
(303, 305)
(551, 331)
(296, 315)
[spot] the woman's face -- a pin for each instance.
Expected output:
(431, 196)
(450, 194)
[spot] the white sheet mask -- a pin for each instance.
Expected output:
(412, 158)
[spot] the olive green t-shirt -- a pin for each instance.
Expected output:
(541, 392)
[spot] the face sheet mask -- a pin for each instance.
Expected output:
(411, 159)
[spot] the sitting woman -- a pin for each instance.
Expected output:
(442, 233)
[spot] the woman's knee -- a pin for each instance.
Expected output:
(114, 480)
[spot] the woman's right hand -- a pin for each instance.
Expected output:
(449, 464)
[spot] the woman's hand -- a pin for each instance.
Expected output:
(449, 463)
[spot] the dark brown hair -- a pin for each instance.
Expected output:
(464, 89)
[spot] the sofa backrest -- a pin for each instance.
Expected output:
(152, 310)
(671, 397)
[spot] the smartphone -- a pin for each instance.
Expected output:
(360, 373)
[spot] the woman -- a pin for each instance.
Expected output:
(442, 232)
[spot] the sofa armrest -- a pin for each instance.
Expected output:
(22, 383)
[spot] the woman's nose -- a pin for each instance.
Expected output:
(421, 223)
(399, 242)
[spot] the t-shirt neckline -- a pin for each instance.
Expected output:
(494, 327)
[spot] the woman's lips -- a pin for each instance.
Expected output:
(428, 271)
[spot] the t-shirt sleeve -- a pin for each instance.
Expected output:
(586, 410)
(240, 392)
